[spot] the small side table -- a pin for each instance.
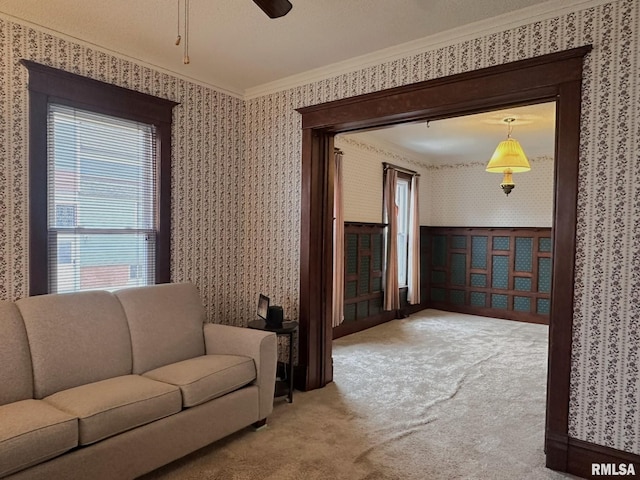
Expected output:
(288, 328)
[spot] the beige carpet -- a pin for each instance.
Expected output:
(434, 396)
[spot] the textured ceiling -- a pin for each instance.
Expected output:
(471, 138)
(235, 46)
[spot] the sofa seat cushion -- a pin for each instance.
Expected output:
(32, 431)
(112, 406)
(206, 377)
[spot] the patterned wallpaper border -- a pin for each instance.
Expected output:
(390, 151)
(533, 160)
(386, 151)
(409, 158)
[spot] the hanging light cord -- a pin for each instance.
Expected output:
(185, 59)
(509, 123)
(186, 32)
(178, 38)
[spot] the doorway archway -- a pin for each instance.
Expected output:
(554, 77)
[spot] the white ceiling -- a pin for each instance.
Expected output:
(471, 138)
(235, 46)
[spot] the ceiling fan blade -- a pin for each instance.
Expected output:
(274, 8)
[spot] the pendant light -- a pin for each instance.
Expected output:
(509, 158)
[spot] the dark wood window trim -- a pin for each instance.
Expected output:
(553, 77)
(50, 85)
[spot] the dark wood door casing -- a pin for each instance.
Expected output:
(316, 261)
(553, 77)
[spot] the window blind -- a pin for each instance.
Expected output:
(102, 201)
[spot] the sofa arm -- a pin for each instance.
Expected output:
(259, 345)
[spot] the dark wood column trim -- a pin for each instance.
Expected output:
(568, 108)
(554, 77)
(316, 256)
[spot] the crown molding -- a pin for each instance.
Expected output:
(507, 21)
(525, 16)
(24, 23)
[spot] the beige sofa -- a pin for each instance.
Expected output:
(99, 385)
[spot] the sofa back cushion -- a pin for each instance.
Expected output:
(166, 324)
(75, 339)
(16, 380)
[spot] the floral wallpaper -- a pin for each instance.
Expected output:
(605, 381)
(466, 195)
(208, 148)
(236, 185)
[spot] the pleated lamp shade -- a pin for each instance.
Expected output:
(508, 156)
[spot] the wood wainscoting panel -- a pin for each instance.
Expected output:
(495, 272)
(363, 267)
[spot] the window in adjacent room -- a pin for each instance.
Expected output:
(99, 184)
(403, 188)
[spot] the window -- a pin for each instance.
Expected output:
(403, 187)
(102, 198)
(99, 184)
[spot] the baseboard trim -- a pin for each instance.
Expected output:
(347, 328)
(418, 307)
(526, 317)
(581, 455)
(556, 450)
